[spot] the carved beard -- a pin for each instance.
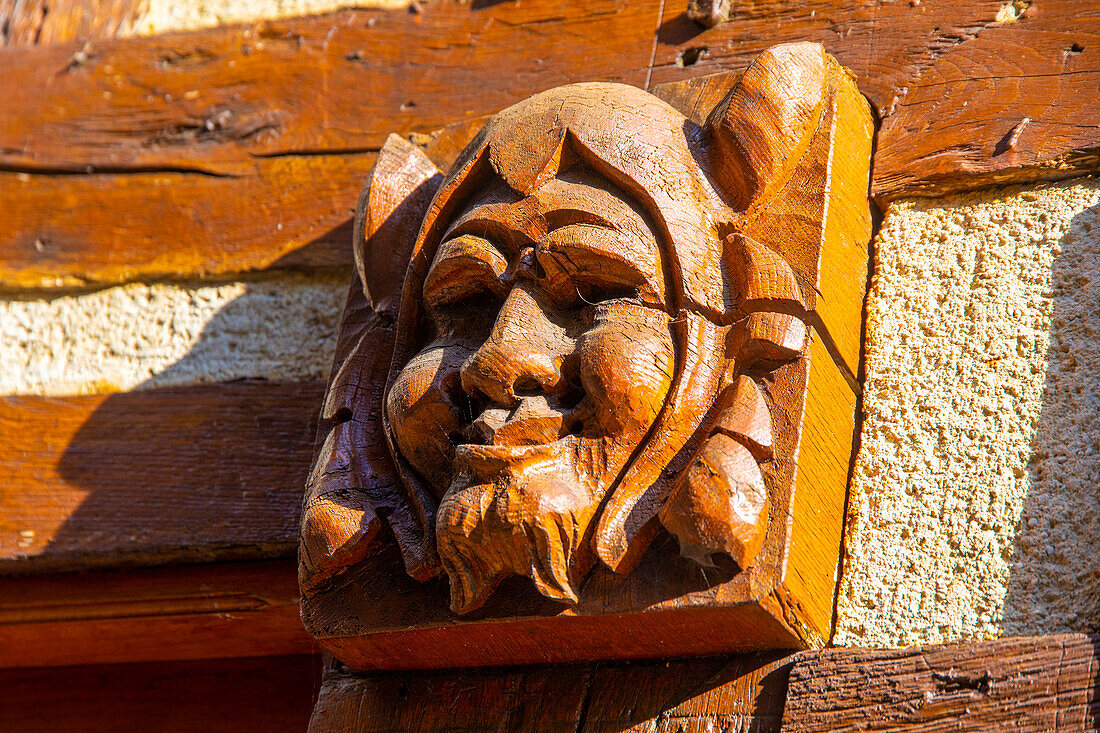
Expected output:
(523, 511)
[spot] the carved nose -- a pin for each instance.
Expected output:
(522, 356)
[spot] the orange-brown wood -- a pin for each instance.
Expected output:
(144, 174)
(81, 230)
(203, 611)
(172, 474)
(251, 142)
(273, 694)
(1041, 683)
(1038, 683)
(1016, 103)
(567, 399)
(887, 45)
(212, 102)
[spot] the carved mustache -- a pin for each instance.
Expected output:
(534, 420)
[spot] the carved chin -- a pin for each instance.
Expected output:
(531, 521)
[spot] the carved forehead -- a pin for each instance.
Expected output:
(625, 126)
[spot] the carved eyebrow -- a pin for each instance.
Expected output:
(559, 218)
(605, 255)
(509, 225)
(463, 266)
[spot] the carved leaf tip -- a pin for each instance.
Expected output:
(762, 128)
(394, 199)
(721, 506)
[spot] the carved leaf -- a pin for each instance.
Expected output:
(353, 477)
(397, 193)
(721, 506)
(764, 125)
(764, 280)
(771, 338)
(748, 420)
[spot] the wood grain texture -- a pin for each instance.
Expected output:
(273, 694)
(172, 474)
(213, 101)
(1045, 683)
(204, 611)
(885, 44)
(230, 122)
(1016, 103)
(1040, 683)
(83, 230)
(40, 22)
(253, 141)
(560, 403)
(740, 693)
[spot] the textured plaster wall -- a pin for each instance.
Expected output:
(140, 335)
(975, 504)
(164, 16)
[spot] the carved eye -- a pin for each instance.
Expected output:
(588, 265)
(466, 274)
(596, 293)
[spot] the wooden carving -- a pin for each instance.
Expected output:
(573, 376)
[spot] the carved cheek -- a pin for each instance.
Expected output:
(626, 366)
(422, 413)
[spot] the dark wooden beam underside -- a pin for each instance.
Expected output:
(270, 694)
(1026, 684)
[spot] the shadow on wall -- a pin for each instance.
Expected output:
(208, 458)
(1054, 582)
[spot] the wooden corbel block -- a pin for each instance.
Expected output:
(595, 391)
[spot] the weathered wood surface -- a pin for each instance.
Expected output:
(886, 44)
(80, 230)
(742, 693)
(201, 611)
(172, 474)
(666, 373)
(241, 144)
(1037, 684)
(1016, 103)
(1043, 683)
(41, 22)
(271, 694)
(210, 119)
(212, 102)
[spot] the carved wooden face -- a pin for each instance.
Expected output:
(578, 328)
(549, 357)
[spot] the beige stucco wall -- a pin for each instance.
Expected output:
(975, 502)
(278, 327)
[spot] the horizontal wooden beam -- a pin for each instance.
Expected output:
(272, 694)
(243, 148)
(206, 611)
(1040, 683)
(80, 230)
(178, 474)
(1015, 103)
(886, 44)
(720, 693)
(1027, 684)
(215, 102)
